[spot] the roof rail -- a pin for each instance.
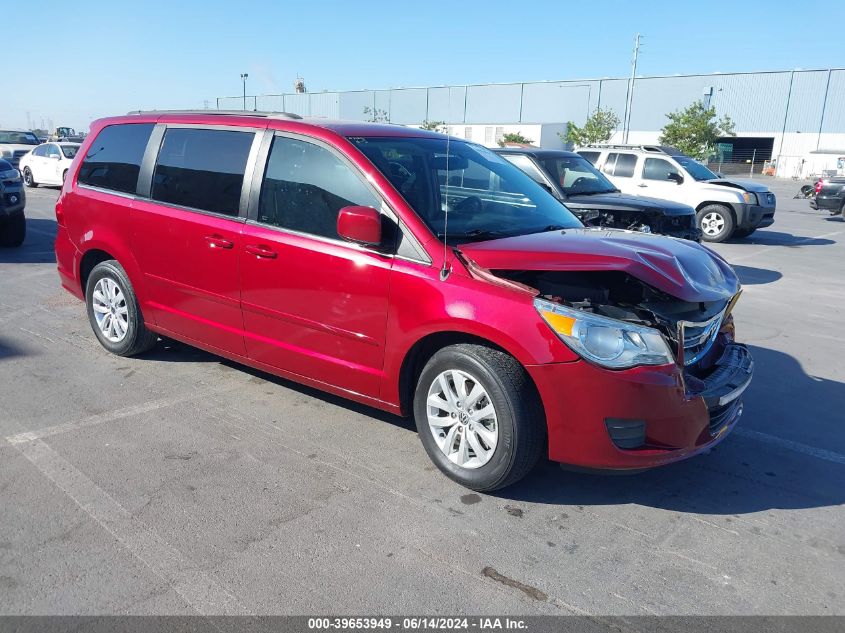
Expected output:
(646, 148)
(268, 115)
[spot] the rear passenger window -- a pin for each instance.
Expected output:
(202, 169)
(114, 158)
(621, 165)
(305, 186)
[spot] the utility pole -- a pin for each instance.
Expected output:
(629, 98)
(244, 77)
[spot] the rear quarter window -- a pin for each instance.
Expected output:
(113, 160)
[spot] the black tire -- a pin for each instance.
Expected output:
(137, 338)
(13, 230)
(712, 217)
(28, 180)
(64, 175)
(520, 419)
(743, 233)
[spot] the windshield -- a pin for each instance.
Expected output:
(18, 138)
(576, 175)
(69, 150)
(486, 197)
(694, 168)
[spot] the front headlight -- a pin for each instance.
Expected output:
(749, 197)
(604, 341)
(10, 174)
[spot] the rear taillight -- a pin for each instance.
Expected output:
(60, 215)
(819, 185)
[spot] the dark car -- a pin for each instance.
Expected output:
(586, 192)
(830, 195)
(12, 202)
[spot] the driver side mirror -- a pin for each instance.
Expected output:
(361, 225)
(675, 177)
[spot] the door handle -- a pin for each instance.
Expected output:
(261, 251)
(215, 241)
(642, 185)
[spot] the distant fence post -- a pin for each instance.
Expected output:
(753, 156)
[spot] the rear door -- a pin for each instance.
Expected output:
(37, 163)
(52, 165)
(619, 167)
(313, 304)
(186, 230)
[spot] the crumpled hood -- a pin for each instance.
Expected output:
(746, 185)
(680, 268)
(625, 202)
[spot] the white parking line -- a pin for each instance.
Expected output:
(110, 416)
(201, 591)
(812, 451)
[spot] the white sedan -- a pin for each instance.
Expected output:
(47, 164)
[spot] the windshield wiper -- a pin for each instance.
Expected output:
(476, 234)
(592, 193)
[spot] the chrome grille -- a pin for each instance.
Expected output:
(697, 338)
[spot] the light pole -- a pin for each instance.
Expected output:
(629, 98)
(244, 77)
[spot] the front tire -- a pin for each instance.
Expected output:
(716, 223)
(479, 416)
(114, 313)
(28, 180)
(14, 232)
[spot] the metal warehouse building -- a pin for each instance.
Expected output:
(794, 119)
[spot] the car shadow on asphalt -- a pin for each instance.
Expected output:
(9, 350)
(742, 475)
(751, 276)
(37, 247)
(775, 459)
(778, 238)
(171, 351)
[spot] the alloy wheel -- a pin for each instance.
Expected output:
(462, 419)
(712, 223)
(110, 310)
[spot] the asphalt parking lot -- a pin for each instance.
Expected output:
(181, 483)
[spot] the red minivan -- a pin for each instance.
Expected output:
(410, 271)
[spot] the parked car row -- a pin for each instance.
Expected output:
(724, 208)
(28, 158)
(416, 273)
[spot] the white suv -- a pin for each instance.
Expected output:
(724, 208)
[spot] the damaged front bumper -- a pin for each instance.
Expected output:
(642, 417)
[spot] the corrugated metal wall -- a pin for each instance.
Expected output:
(790, 101)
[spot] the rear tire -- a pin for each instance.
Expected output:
(494, 437)
(13, 233)
(114, 313)
(716, 223)
(28, 180)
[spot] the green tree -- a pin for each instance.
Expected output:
(376, 115)
(514, 137)
(599, 128)
(435, 126)
(695, 130)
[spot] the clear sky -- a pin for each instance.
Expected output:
(75, 61)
